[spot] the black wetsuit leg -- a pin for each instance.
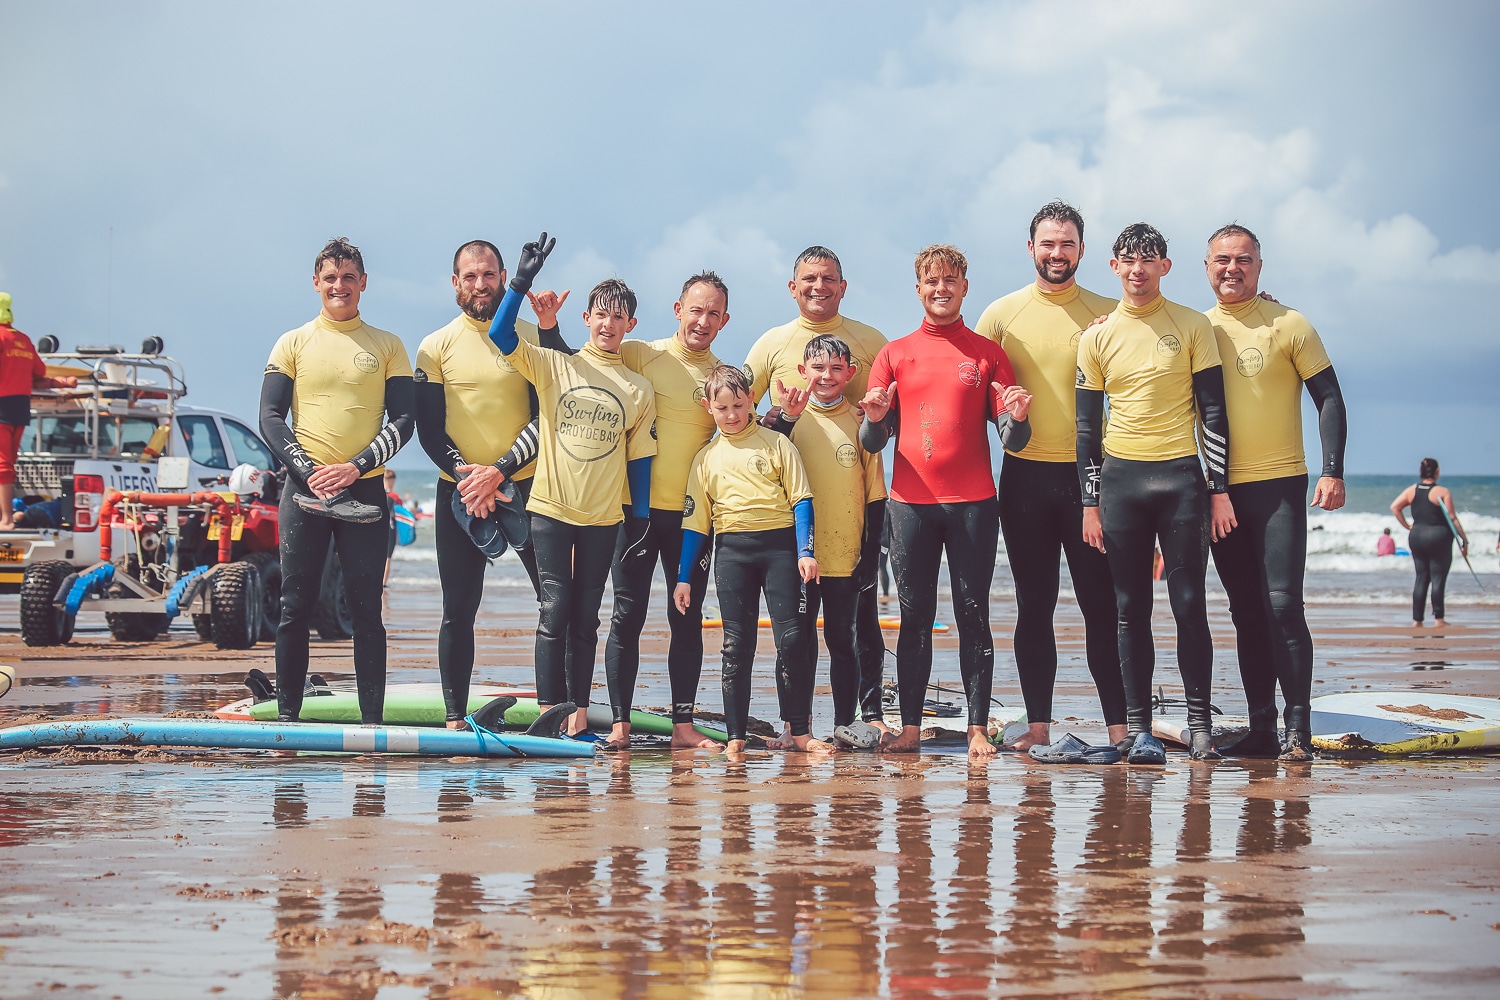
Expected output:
(526, 552)
(920, 535)
(632, 589)
(1431, 549)
(1141, 502)
(1261, 564)
(461, 573)
(748, 564)
(1041, 515)
(573, 565)
(361, 551)
(870, 644)
(840, 600)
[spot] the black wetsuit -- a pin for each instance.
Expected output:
(1431, 545)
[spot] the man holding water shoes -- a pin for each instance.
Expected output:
(1270, 352)
(1158, 364)
(1041, 508)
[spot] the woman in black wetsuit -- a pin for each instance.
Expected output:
(1431, 538)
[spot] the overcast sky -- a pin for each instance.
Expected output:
(225, 143)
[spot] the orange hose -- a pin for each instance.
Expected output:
(222, 507)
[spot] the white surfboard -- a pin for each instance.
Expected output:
(1402, 722)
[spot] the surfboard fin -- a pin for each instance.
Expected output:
(550, 722)
(261, 688)
(491, 715)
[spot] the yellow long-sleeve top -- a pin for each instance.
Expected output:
(746, 481)
(487, 401)
(779, 350)
(1144, 359)
(843, 477)
(683, 424)
(1039, 331)
(596, 415)
(1274, 350)
(338, 371)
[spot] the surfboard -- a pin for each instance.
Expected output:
(1386, 722)
(888, 624)
(421, 704)
(1462, 548)
(233, 735)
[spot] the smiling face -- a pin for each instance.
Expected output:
(1140, 277)
(1056, 251)
(732, 411)
(942, 290)
(478, 282)
(701, 314)
(827, 375)
(818, 289)
(1233, 267)
(608, 325)
(339, 284)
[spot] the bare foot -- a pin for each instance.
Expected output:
(577, 722)
(1416, 624)
(1038, 734)
(458, 724)
(880, 725)
(619, 736)
(685, 737)
(7, 526)
(809, 745)
(1439, 623)
(786, 741)
(909, 741)
(1118, 733)
(735, 748)
(979, 742)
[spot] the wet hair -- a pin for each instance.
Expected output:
(706, 278)
(1140, 240)
(827, 345)
(941, 255)
(339, 250)
(474, 247)
(725, 377)
(817, 253)
(1429, 469)
(1234, 229)
(612, 294)
(1057, 211)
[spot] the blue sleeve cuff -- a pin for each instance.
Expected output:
(638, 475)
(692, 548)
(503, 329)
(803, 512)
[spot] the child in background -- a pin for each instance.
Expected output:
(1385, 545)
(749, 485)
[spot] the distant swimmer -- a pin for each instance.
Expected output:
(1385, 545)
(849, 499)
(818, 287)
(675, 367)
(597, 437)
(1041, 508)
(348, 390)
(749, 489)
(935, 390)
(1275, 352)
(476, 420)
(1157, 364)
(1434, 523)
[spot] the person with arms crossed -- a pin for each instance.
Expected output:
(347, 387)
(1041, 508)
(1275, 352)
(596, 430)
(934, 391)
(749, 487)
(1158, 364)
(1430, 539)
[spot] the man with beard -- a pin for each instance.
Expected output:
(475, 416)
(1041, 508)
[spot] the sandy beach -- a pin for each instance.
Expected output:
(167, 874)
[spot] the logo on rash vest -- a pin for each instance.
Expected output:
(1080, 378)
(1077, 336)
(589, 423)
(968, 373)
(1168, 346)
(688, 506)
(418, 375)
(749, 373)
(846, 455)
(1250, 362)
(698, 396)
(366, 362)
(272, 370)
(503, 363)
(759, 465)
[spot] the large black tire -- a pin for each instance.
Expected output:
(268, 568)
(332, 618)
(131, 626)
(236, 606)
(41, 623)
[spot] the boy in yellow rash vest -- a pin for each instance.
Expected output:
(596, 422)
(848, 485)
(749, 486)
(1041, 507)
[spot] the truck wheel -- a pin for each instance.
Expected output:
(132, 626)
(268, 568)
(204, 626)
(331, 617)
(236, 606)
(41, 623)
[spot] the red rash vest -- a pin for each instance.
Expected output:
(944, 401)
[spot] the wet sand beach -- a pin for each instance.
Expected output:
(180, 874)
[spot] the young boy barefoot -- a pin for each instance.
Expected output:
(749, 486)
(848, 484)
